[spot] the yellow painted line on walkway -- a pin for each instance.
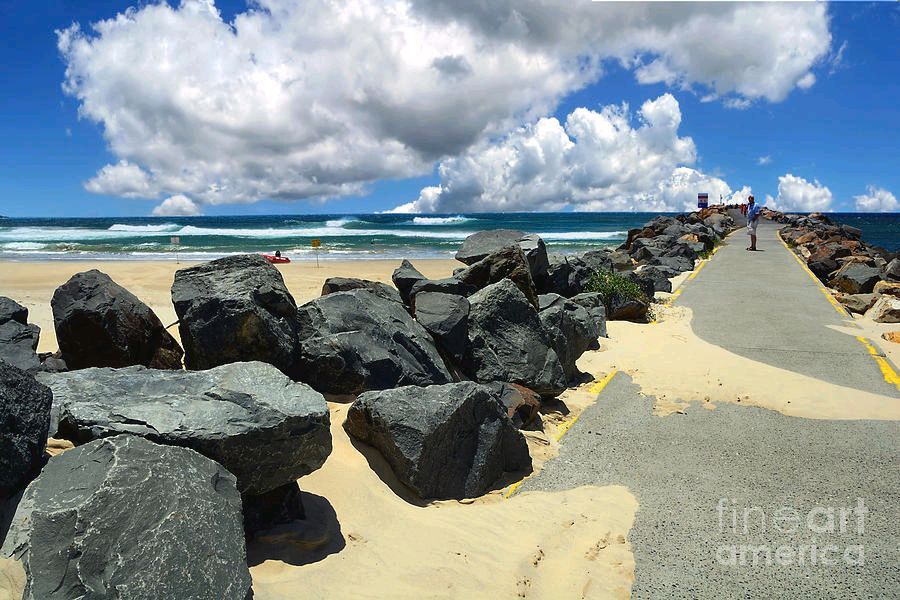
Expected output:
(595, 388)
(887, 371)
(831, 299)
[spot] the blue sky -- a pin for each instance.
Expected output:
(842, 131)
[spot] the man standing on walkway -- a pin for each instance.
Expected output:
(753, 211)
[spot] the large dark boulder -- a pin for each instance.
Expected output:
(24, 424)
(855, 278)
(126, 518)
(235, 309)
(505, 263)
(822, 263)
(892, 270)
(623, 308)
(508, 342)
(598, 260)
(480, 244)
(572, 330)
(10, 310)
(681, 264)
(654, 279)
(593, 302)
(18, 345)
(264, 428)
(446, 318)
(535, 251)
(566, 276)
(405, 277)
(355, 341)
(442, 441)
(101, 324)
(448, 285)
(344, 284)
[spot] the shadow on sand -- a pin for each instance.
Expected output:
(300, 542)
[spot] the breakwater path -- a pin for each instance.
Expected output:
(764, 306)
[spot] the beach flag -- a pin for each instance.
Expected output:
(702, 200)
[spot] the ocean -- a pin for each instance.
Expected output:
(374, 236)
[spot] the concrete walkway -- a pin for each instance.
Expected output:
(765, 307)
(746, 460)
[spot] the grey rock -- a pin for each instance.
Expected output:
(572, 330)
(10, 310)
(566, 276)
(442, 441)
(448, 285)
(621, 261)
(536, 254)
(598, 260)
(892, 270)
(507, 342)
(405, 277)
(24, 424)
(857, 303)
(505, 263)
(101, 324)
(658, 278)
(645, 282)
(355, 341)
(680, 264)
(235, 309)
(126, 518)
(264, 428)
(855, 278)
(620, 308)
(446, 318)
(343, 284)
(593, 302)
(18, 345)
(54, 364)
(480, 244)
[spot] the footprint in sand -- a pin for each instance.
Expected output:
(523, 585)
(537, 558)
(356, 538)
(594, 550)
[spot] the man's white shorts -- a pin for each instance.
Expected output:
(751, 227)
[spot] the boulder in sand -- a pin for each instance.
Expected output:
(18, 345)
(405, 277)
(572, 330)
(521, 404)
(447, 285)
(442, 441)
(101, 324)
(355, 341)
(566, 276)
(10, 310)
(593, 302)
(508, 342)
(855, 278)
(885, 310)
(264, 428)
(505, 263)
(857, 303)
(480, 244)
(446, 318)
(343, 284)
(24, 424)
(143, 521)
(235, 309)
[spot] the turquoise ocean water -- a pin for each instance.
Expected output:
(342, 236)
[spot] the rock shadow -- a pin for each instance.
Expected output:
(301, 542)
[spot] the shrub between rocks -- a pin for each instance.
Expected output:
(610, 284)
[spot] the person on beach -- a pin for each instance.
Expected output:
(753, 211)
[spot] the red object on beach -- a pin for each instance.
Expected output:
(276, 259)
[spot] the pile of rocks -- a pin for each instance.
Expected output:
(865, 279)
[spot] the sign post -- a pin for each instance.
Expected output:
(316, 244)
(702, 200)
(175, 240)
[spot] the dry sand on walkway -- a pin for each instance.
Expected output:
(672, 363)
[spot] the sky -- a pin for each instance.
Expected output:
(280, 106)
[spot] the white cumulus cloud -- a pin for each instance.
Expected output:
(764, 160)
(798, 194)
(319, 98)
(177, 206)
(606, 160)
(876, 199)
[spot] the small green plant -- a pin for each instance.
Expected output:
(611, 284)
(708, 253)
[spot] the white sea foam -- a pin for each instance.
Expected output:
(145, 228)
(583, 235)
(439, 220)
